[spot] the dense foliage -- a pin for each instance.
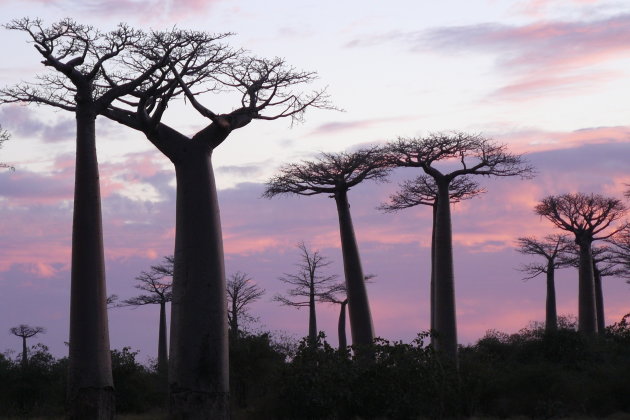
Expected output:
(531, 373)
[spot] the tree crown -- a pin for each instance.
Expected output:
(26, 331)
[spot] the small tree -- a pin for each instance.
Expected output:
(551, 249)
(26, 331)
(621, 250)
(309, 285)
(462, 154)
(589, 218)
(334, 174)
(423, 191)
(241, 292)
(4, 136)
(157, 283)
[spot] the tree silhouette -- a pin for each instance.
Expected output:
(26, 331)
(472, 155)
(84, 79)
(423, 191)
(157, 283)
(621, 250)
(586, 216)
(241, 292)
(335, 174)
(4, 136)
(268, 90)
(309, 285)
(552, 249)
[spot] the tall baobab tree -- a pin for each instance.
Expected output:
(84, 78)
(26, 331)
(309, 285)
(462, 155)
(552, 249)
(334, 174)
(241, 292)
(423, 191)
(4, 136)
(268, 90)
(589, 217)
(157, 283)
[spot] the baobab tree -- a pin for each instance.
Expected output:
(423, 191)
(157, 283)
(268, 90)
(463, 155)
(84, 78)
(589, 217)
(26, 331)
(241, 292)
(309, 285)
(621, 250)
(335, 174)
(4, 136)
(552, 249)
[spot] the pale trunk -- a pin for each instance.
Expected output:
(551, 315)
(599, 299)
(162, 347)
(90, 384)
(361, 327)
(24, 353)
(341, 326)
(587, 322)
(445, 321)
(198, 365)
(312, 316)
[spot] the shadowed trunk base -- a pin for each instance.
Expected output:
(92, 403)
(194, 405)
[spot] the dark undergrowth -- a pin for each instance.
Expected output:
(531, 374)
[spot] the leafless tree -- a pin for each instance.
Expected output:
(334, 174)
(4, 136)
(269, 89)
(605, 264)
(157, 283)
(241, 292)
(423, 191)
(309, 285)
(461, 154)
(589, 217)
(84, 78)
(620, 243)
(551, 248)
(26, 331)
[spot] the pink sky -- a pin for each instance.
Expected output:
(547, 78)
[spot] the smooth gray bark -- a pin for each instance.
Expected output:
(341, 326)
(599, 300)
(551, 315)
(162, 366)
(90, 383)
(445, 320)
(361, 327)
(587, 322)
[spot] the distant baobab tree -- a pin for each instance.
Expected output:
(309, 285)
(26, 331)
(334, 174)
(551, 248)
(605, 264)
(157, 283)
(589, 217)
(423, 191)
(4, 136)
(267, 89)
(241, 292)
(621, 250)
(462, 155)
(84, 79)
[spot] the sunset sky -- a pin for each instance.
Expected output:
(550, 78)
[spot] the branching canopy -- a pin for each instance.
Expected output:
(26, 331)
(329, 173)
(621, 251)
(604, 259)
(241, 292)
(4, 136)
(551, 248)
(157, 284)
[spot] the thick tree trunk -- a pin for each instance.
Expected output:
(198, 366)
(312, 316)
(445, 320)
(24, 353)
(90, 384)
(587, 322)
(432, 288)
(599, 300)
(361, 326)
(341, 326)
(551, 315)
(162, 346)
